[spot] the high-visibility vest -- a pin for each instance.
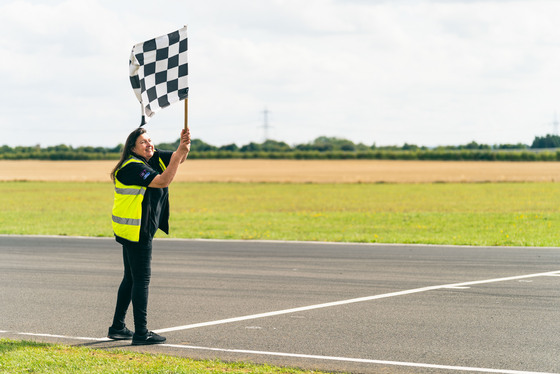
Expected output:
(127, 206)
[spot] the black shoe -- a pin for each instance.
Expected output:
(123, 334)
(150, 338)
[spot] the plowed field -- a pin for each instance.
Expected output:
(300, 171)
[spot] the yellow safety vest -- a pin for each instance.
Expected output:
(127, 206)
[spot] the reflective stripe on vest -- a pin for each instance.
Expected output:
(127, 207)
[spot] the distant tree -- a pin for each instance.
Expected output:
(474, 145)
(325, 144)
(229, 147)
(168, 146)
(409, 147)
(117, 149)
(362, 147)
(347, 146)
(60, 148)
(511, 146)
(303, 147)
(196, 144)
(275, 146)
(548, 141)
(388, 148)
(251, 147)
(200, 146)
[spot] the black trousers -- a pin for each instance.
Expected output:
(137, 259)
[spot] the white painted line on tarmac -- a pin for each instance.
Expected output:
(359, 360)
(297, 355)
(325, 305)
(350, 301)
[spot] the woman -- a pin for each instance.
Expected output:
(141, 206)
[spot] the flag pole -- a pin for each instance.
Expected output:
(186, 113)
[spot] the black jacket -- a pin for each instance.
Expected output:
(155, 206)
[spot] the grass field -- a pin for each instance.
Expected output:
(30, 357)
(524, 214)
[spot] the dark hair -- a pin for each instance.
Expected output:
(127, 149)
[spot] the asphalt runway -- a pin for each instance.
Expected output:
(364, 308)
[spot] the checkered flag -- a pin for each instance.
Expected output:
(158, 72)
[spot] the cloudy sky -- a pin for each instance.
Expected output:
(426, 72)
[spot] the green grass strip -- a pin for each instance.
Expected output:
(31, 357)
(495, 214)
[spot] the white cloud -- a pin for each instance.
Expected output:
(389, 72)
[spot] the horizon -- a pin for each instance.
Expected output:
(294, 144)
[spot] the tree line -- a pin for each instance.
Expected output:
(546, 148)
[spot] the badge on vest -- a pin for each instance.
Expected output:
(145, 174)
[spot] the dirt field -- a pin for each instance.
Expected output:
(300, 171)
